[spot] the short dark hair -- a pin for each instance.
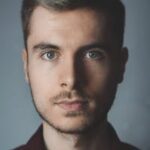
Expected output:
(114, 8)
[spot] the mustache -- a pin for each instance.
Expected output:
(69, 95)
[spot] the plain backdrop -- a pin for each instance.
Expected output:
(130, 114)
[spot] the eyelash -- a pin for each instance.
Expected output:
(99, 54)
(45, 57)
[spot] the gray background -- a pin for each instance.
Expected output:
(130, 114)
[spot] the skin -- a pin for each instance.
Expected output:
(73, 68)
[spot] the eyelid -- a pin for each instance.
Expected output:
(48, 50)
(95, 50)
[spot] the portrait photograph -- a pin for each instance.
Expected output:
(75, 75)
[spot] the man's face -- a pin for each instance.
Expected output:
(70, 64)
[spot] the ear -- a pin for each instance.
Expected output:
(25, 64)
(122, 64)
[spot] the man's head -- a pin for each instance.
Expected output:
(74, 59)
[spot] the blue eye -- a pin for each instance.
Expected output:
(50, 55)
(94, 54)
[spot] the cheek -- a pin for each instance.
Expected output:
(101, 87)
(98, 76)
(42, 81)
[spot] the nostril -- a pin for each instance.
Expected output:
(63, 84)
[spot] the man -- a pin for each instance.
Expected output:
(73, 62)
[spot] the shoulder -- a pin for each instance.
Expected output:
(23, 147)
(36, 142)
(126, 146)
(117, 143)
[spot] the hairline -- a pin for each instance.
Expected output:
(97, 10)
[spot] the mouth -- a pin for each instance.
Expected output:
(76, 105)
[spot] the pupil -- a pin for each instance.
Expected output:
(92, 54)
(50, 54)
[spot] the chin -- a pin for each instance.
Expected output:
(73, 125)
(71, 129)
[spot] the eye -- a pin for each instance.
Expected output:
(95, 54)
(50, 55)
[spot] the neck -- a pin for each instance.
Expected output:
(95, 139)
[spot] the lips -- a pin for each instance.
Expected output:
(73, 105)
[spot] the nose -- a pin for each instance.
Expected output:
(69, 76)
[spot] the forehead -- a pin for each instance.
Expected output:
(57, 25)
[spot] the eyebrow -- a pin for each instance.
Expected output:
(44, 45)
(102, 46)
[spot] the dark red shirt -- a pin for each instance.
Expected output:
(37, 142)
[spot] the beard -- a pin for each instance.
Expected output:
(94, 119)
